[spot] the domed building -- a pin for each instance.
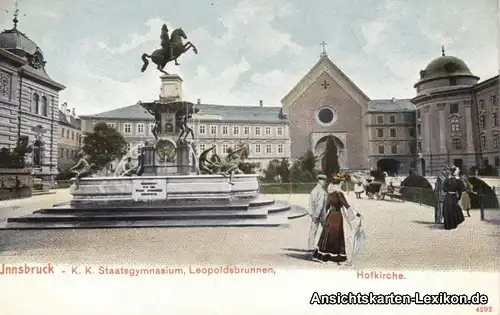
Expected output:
(28, 101)
(456, 117)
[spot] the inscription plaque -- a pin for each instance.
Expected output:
(149, 189)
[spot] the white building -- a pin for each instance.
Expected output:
(264, 128)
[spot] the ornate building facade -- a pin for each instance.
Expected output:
(69, 139)
(28, 101)
(452, 120)
(264, 128)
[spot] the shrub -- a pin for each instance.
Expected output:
(417, 188)
(485, 194)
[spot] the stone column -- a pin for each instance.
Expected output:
(427, 126)
(442, 129)
(469, 129)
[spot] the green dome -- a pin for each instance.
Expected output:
(445, 67)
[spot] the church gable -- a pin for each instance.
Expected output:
(322, 67)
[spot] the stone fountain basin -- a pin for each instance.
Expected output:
(180, 201)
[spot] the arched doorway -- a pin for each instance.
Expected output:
(37, 153)
(319, 150)
(391, 166)
(422, 167)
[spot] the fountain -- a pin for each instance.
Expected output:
(170, 190)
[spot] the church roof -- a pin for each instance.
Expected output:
(391, 105)
(323, 65)
(445, 67)
(207, 112)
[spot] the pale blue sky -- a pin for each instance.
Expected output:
(251, 50)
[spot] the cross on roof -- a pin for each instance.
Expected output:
(442, 50)
(325, 84)
(324, 49)
(16, 13)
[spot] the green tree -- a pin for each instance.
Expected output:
(271, 172)
(304, 168)
(104, 145)
(331, 159)
(284, 170)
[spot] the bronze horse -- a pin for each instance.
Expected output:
(160, 57)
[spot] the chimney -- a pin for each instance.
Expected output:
(73, 112)
(393, 100)
(261, 103)
(68, 112)
(198, 102)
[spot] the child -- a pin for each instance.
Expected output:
(358, 189)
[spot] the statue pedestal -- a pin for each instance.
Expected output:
(171, 88)
(183, 159)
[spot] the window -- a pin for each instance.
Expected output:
(326, 116)
(236, 130)
(246, 130)
(380, 132)
(393, 132)
(268, 149)
(279, 131)
(127, 128)
(140, 128)
(455, 125)
(45, 107)
(225, 130)
(61, 152)
(268, 131)
(494, 119)
(62, 132)
(419, 129)
(483, 142)
(111, 125)
(202, 147)
(380, 149)
(280, 149)
(225, 148)
(213, 130)
(411, 132)
(394, 149)
(453, 81)
(139, 147)
(67, 134)
(486, 162)
(72, 135)
(202, 129)
(456, 143)
(493, 100)
(481, 104)
(128, 147)
(497, 161)
(495, 140)
(67, 153)
(380, 119)
(257, 131)
(418, 114)
(151, 126)
(482, 121)
(419, 146)
(257, 148)
(36, 103)
(454, 108)
(392, 119)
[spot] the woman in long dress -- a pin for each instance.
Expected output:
(331, 245)
(465, 203)
(452, 213)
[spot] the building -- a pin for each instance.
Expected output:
(457, 117)
(452, 120)
(368, 133)
(264, 128)
(69, 139)
(28, 101)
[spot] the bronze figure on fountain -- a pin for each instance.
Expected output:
(172, 47)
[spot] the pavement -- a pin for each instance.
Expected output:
(400, 236)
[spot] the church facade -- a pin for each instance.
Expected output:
(28, 102)
(453, 119)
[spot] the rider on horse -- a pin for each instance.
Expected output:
(166, 44)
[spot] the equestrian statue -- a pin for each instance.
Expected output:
(171, 48)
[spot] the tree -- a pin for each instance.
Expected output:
(304, 168)
(331, 159)
(104, 145)
(271, 172)
(284, 171)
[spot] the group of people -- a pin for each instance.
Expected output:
(452, 198)
(329, 209)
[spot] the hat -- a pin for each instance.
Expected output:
(321, 176)
(338, 176)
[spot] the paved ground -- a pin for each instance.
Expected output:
(399, 236)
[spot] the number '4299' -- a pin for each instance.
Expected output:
(484, 309)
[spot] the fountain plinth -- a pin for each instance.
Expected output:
(169, 190)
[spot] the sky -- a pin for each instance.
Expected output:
(251, 50)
